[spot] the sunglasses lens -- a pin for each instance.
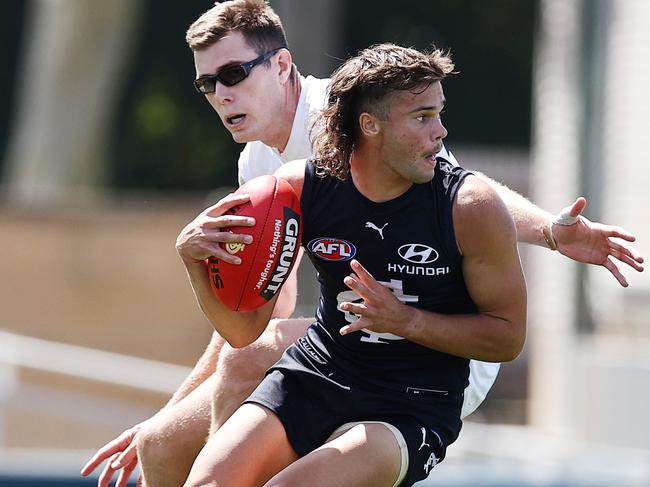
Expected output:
(232, 75)
(205, 85)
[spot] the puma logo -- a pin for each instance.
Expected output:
(424, 439)
(375, 227)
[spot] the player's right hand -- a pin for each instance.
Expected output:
(201, 237)
(595, 243)
(121, 455)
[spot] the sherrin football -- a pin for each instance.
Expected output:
(267, 262)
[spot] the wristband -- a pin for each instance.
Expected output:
(563, 218)
(547, 231)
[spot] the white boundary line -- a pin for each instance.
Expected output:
(113, 368)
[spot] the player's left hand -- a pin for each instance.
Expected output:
(122, 457)
(594, 243)
(380, 311)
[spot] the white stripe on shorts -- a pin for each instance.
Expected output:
(403, 449)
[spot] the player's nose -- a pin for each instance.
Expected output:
(438, 131)
(223, 94)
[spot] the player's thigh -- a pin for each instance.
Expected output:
(247, 450)
(181, 427)
(368, 455)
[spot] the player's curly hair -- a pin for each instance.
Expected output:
(255, 19)
(361, 85)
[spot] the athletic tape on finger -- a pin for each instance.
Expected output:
(565, 217)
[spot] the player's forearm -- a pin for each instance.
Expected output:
(531, 221)
(286, 303)
(237, 328)
(474, 336)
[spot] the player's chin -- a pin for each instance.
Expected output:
(243, 134)
(423, 174)
(422, 179)
(242, 137)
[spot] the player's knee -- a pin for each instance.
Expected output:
(287, 331)
(242, 365)
(240, 370)
(238, 373)
(153, 445)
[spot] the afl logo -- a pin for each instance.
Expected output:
(418, 253)
(332, 249)
(233, 248)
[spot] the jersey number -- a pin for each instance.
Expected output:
(396, 286)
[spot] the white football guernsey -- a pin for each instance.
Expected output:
(258, 159)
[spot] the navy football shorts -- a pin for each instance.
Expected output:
(313, 401)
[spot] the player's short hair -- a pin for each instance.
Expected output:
(255, 19)
(362, 84)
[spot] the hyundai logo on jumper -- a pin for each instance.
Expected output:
(332, 249)
(418, 253)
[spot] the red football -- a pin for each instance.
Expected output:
(265, 263)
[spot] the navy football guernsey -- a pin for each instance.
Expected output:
(407, 244)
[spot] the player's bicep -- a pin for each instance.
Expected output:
(488, 240)
(496, 285)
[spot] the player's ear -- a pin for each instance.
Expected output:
(285, 63)
(369, 124)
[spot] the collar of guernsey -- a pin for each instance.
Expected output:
(312, 99)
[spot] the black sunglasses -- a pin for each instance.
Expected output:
(230, 75)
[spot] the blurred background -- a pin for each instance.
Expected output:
(106, 152)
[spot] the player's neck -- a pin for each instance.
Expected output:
(279, 137)
(373, 178)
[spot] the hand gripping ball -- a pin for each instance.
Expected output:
(268, 260)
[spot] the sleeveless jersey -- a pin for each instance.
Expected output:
(258, 159)
(408, 244)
